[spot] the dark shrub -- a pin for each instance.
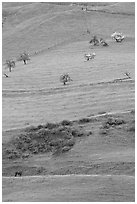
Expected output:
(51, 125)
(39, 127)
(31, 128)
(89, 133)
(65, 148)
(25, 155)
(104, 132)
(113, 121)
(119, 122)
(105, 126)
(77, 133)
(55, 142)
(66, 122)
(70, 142)
(14, 154)
(133, 111)
(84, 120)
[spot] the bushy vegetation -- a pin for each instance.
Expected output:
(52, 137)
(66, 122)
(133, 111)
(113, 122)
(84, 120)
(87, 120)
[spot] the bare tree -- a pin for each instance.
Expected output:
(6, 75)
(103, 42)
(128, 75)
(94, 41)
(24, 57)
(10, 64)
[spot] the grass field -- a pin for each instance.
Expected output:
(56, 38)
(70, 189)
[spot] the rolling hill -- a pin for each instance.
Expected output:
(99, 164)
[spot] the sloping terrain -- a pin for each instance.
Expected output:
(70, 189)
(56, 37)
(36, 22)
(104, 148)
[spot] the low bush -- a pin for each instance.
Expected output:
(66, 122)
(14, 154)
(104, 132)
(51, 125)
(89, 133)
(31, 128)
(112, 122)
(84, 120)
(133, 111)
(105, 126)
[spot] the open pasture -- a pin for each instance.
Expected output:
(33, 94)
(56, 37)
(70, 189)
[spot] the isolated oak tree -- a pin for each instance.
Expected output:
(10, 64)
(64, 78)
(24, 57)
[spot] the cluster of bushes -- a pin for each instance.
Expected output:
(87, 120)
(110, 122)
(113, 122)
(52, 137)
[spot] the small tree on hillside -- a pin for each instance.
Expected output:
(103, 42)
(10, 64)
(94, 41)
(65, 78)
(128, 75)
(24, 57)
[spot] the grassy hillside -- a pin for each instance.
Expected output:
(84, 127)
(28, 26)
(70, 189)
(99, 147)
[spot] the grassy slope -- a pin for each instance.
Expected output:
(97, 148)
(102, 154)
(117, 8)
(70, 189)
(42, 72)
(25, 31)
(40, 95)
(36, 22)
